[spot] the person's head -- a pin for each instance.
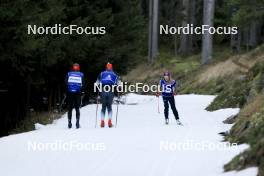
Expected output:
(167, 75)
(76, 67)
(109, 66)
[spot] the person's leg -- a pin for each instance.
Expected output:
(103, 101)
(77, 105)
(70, 107)
(166, 107)
(173, 107)
(110, 99)
(109, 108)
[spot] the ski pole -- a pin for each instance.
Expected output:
(117, 109)
(158, 106)
(97, 104)
(83, 95)
(62, 102)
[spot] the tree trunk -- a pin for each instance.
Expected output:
(253, 34)
(245, 37)
(192, 38)
(59, 96)
(175, 37)
(143, 4)
(28, 84)
(176, 45)
(153, 29)
(50, 100)
(184, 37)
(207, 40)
(235, 41)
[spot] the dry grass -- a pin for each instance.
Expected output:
(28, 124)
(233, 65)
(253, 107)
(144, 73)
(151, 73)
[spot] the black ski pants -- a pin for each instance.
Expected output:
(74, 101)
(170, 100)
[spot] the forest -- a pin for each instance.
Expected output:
(139, 38)
(33, 66)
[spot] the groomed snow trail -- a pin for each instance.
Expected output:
(141, 145)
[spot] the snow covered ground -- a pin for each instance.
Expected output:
(140, 145)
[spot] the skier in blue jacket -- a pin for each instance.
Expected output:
(74, 82)
(168, 87)
(107, 78)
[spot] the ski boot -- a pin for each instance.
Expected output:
(69, 124)
(102, 124)
(77, 124)
(178, 122)
(166, 121)
(110, 125)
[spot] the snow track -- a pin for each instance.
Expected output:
(133, 148)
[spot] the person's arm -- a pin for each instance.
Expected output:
(83, 84)
(118, 80)
(97, 82)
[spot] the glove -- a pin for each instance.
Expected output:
(157, 94)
